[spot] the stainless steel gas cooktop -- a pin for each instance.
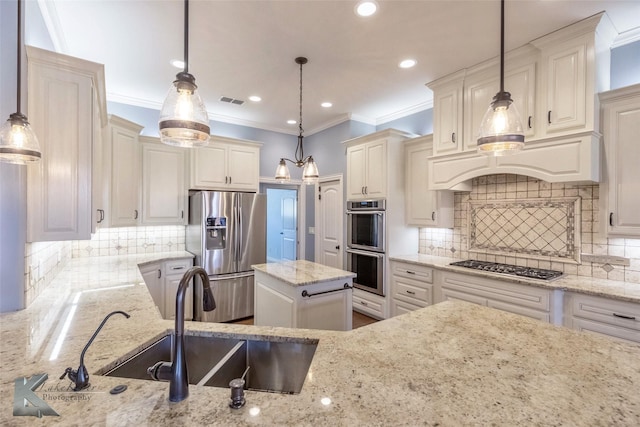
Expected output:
(514, 270)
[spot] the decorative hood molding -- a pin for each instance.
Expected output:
(563, 159)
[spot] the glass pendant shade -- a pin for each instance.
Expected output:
(310, 172)
(282, 172)
(501, 131)
(184, 121)
(18, 143)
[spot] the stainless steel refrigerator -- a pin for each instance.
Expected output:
(227, 234)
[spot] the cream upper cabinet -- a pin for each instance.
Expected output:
(226, 164)
(66, 109)
(122, 160)
(620, 204)
(423, 207)
(163, 183)
(574, 67)
(367, 170)
(448, 113)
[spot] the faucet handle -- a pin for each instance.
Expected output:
(71, 373)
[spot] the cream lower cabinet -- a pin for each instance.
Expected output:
(164, 191)
(369, 304)
(226, 164)
(325, 305)
(67, 111)
(617, 319)
(411, 287)
(530, 301)
(423, 207)
(620, 204)
(162, 279)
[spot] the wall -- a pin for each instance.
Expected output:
(420, 123)
(43, 261)
(625, 65)
(455, 242)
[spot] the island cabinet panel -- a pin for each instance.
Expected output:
(617, 319)
(320, 305)
(530, 301)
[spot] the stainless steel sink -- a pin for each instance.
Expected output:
(275, 364)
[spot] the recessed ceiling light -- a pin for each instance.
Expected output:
(291, 122)
(255, 98)
(366, 8)
(326, 104)
(407, 63)
(177, 63)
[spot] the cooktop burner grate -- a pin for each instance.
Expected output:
(516, 270)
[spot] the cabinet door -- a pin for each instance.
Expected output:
(125, 177)
(356, 163)
(209, 167)
(331, 311)
(170, 291)
(273, 308)
(621, 130)
(478, 95)
(243, 170)
(521, 84)
(375, 185)
(163, 187)
(447, 120)
(565, 87)
(59, 186)
(152, 276)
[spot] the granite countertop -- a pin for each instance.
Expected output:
(302, 272)
(450, 364)
(623, 291)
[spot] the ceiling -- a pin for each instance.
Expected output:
(240, 48)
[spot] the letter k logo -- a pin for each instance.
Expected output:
(25, 402)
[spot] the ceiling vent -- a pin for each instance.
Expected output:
(231, 100)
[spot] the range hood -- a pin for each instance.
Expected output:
(564, 159)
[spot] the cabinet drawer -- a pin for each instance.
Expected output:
(612, 312)
(619, 332)
(401, 307)
(177, 267)
(412, 271)
(412, 291)
(368, 306)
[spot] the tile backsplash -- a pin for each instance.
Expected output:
(44, 260)
(514, 191)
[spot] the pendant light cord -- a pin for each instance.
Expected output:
(19, 61)
(186, 36)
(502, 46)
(300, 148)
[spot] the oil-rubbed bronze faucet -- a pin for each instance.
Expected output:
(81, 376)
(176, 372)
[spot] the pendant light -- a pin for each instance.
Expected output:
(18, 142)
(183, 119)
(310, 171)
(501, 130)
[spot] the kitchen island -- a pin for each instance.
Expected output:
(450, 364)
(303, 294)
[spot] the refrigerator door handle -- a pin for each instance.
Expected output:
(218, 278)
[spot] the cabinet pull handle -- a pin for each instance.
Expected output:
(181, 214)
(622, 316)
(529, 121)
(366, 189)
(135, 214)
(453, 137)
(363, 303)
(178, 268)
(411, 292)
(101, 211)
(159, 273)
(611, 219)
(229, 180)
(433, 216)
(362, 190)
(549, 116)
(411, 272)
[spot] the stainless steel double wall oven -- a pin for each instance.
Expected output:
(366, 244)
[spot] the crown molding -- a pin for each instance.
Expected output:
(627, 37)
(405, 112)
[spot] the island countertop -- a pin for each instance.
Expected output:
(450, 364)
(302, 272)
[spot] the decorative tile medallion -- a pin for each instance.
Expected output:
(540, 228)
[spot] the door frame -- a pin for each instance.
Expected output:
(335, 177)
(268, 182)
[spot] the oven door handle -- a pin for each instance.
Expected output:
(365, 253)
(365, 212)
